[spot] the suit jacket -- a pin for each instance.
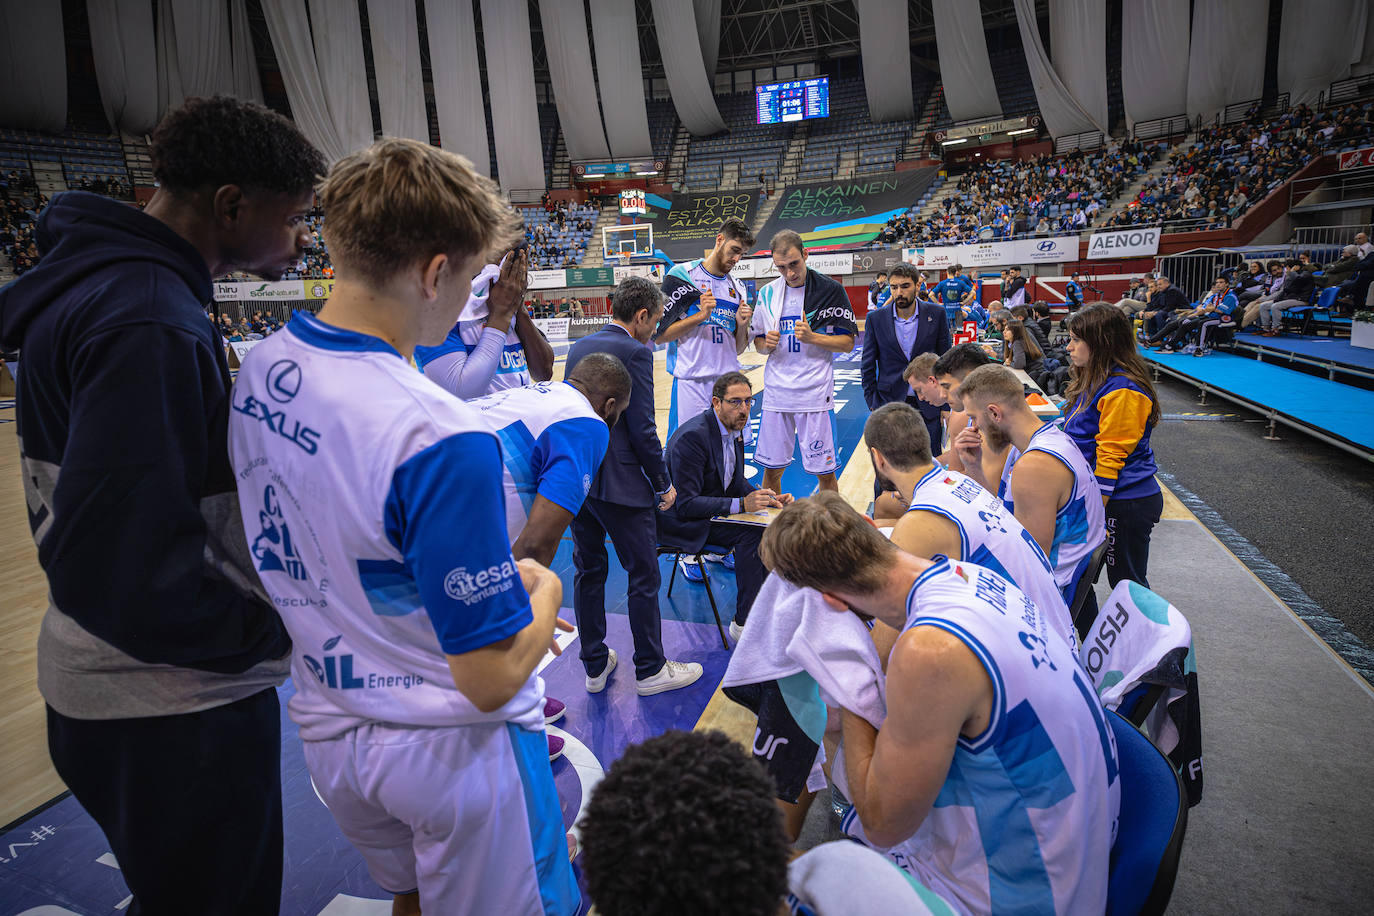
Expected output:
(697, 466)
(883, 358)
(633, 472)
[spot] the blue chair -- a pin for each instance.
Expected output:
(1150, 828)
(1326, 300)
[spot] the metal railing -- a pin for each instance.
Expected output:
(1356, 185)
(1235, 112)
(1092, 139)
(1321, 238)
(1349, 90)
(1159, 128)
(1194, 271)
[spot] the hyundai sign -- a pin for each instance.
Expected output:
(1131, 243)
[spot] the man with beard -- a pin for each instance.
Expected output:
(949, 514)
(1046, 482)
(896, 334)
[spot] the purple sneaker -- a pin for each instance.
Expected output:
(555, 747)
(553, 710)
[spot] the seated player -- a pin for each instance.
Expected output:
(553, 438)
(415, 632)
(801, 320)
(1046, 482)
(949, 514)
(706, 463)
(950, 370)
(640, 855)
(994, 778)
(494, 344)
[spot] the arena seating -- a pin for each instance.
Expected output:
(757, 148)
(82, 155)
(558, 242)
(849, 131)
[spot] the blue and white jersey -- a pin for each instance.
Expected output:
(1081, 524)
(552, 443)
(798, 377)
(374, 509)
(1026, 818)
(990, 536)
(512, 371)
(708, 350)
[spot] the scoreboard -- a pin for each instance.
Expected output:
(795, 100)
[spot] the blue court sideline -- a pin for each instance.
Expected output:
(1331, 349)
(1341, 411)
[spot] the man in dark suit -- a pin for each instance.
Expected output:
(632, 481)
(706, 458)
(894, 335)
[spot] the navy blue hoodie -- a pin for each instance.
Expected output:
(123, 400)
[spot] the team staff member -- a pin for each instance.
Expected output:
(877, 291)
(1073, 293)
(159, 654)
(553, 439)
(956, 292)
(1111, 410)
(949, 514)
(494, 344)
(415, 632)
(1046, 483)
(633, 480)
(803, 319)
(706, 343)
(893, 336)
(706, 458)
(993, 780)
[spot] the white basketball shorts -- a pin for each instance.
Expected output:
(468, 815)
(779, 429)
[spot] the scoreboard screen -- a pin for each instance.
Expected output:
(794, 100)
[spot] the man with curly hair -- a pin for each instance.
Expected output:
(160, 653)
(685, 823)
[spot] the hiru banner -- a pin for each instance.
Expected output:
(845, 214)
(685, 226)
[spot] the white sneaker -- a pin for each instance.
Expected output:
(672, 676)
(713, 557)
(598, 683)
(736, 631)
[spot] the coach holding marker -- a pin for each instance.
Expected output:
(896, 334)
(632, 481)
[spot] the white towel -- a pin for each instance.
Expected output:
(793, 629)
(476, 307)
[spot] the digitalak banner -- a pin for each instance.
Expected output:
(844, 214)
(686, 225)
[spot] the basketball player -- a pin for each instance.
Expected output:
(706, 320)
(951, 515)
(1046, 483)
(415, 632)
(994, 779)
(956, 293)
(553, 438)
(494, 344)
(803, 319)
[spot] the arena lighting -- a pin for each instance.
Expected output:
(1024, 130)
(595, 175)
(651, 172)
(952, 142)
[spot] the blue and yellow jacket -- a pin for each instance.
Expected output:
(1111, 426)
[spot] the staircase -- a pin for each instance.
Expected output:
(559, 175)
(729, 176)
(677, 157)
(49, 177)
(761, 218)
(607, 217)
(915, 147)
(1120, 203)
(137, 159)
(792, 156)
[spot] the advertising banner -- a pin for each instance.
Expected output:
(1357, 158)
(652, 272)
(1056, 250)
(843, 214)
(868, 262)
(257, 290)
(553, 328)
(995, 254)
(240, 349)
(318, 289)
(590, 276)
(547, 279)
(685, 225)
(1131, 243)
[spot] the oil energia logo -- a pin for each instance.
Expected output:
(336, 670)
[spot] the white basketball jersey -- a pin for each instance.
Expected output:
(376, 517)
(512, 371)
(1081, 524)
(798, 377)
(1026, 818)
(552, 443)
(707, 351)
(990, 536)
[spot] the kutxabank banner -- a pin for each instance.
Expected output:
(685, 225)
(843, 214)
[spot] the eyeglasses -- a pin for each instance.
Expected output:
(738, 402)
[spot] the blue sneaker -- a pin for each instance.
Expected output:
(690, 570)
(729, 562)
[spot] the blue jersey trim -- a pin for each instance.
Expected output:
(557, 886)
(316, 333)
(963, 536)
(996, 721)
